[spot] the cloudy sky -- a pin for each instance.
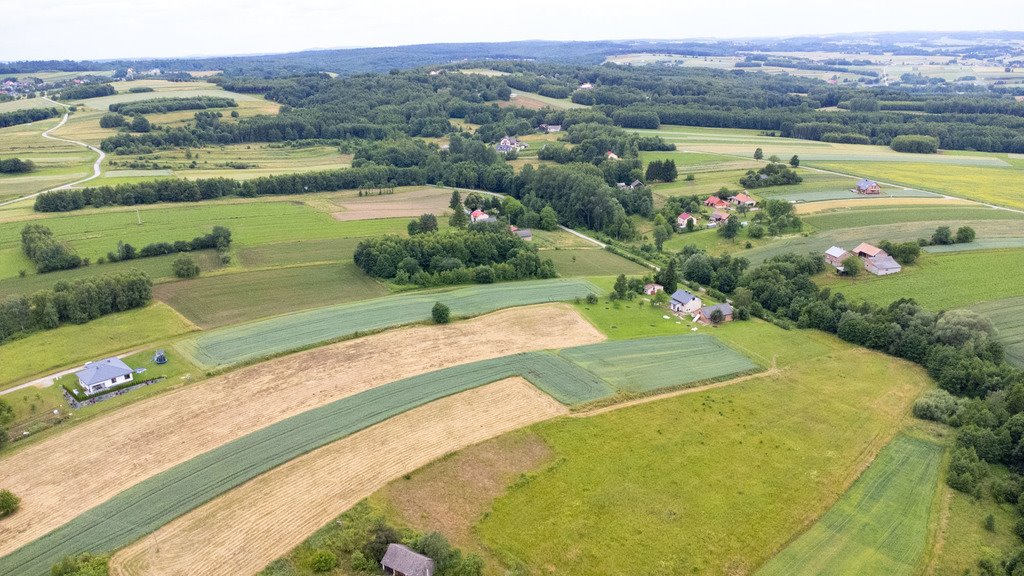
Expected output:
(95, 29)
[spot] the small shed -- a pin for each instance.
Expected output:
(653, 288)
(865, 186)
(835, 256)
(401, 560)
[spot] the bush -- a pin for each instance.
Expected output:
(965, 235)
(84, 564)
(323, 561)
(9, 503)
(112, 120)
(185, 267)
(966, 471)
(915, 143)
(440, 313)
(936, 405)
(852, 265)
(942, 235)
(16, 166)
(990, 523)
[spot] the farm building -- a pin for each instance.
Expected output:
(716, 202)
(586, 86)
(631, 186)
(524, 234)
(479, 216)
(652, 289)
(684, 302)
(882, 265)
(685, 217)
(611, 155)
(865, 250)
(716, 217)
(865, 186)
(742, 199)
(400, 560)
(835, 256)
(103, 374)
(550, 128)
(704, 314)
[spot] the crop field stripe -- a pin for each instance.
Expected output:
(157, 500)
(1007, 316)
(879, 526)
(983, 244)
(264, 338)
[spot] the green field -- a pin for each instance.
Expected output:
(161, 498)
(1007, 316)
(232, 345)
(875, 216)
(706, 483)
(592, 262)
(940, 281)
(993, 184)
(879, 526)
(223, 299)
(43, 352)
(637, 367)
(983, 244)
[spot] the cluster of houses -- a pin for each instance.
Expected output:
(719, 209)
(478, 216)
(685, 303)
(876, 260)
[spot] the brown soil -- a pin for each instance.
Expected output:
(401, 205)
(63, 476)
(247, 528)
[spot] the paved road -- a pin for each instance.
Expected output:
(47, 135)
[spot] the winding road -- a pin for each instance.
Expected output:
(47, 135)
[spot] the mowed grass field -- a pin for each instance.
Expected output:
(592, 262)
(939, 281)
(712, 482)
(224, 299)
(43, 352)
(992, 184)
(879, 526)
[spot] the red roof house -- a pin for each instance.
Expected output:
(685, 217)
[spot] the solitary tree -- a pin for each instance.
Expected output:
(440, 313)
(942, 235)
(456, 202)
(662, 231)
(758, 154)
(621, 287)
(794, 161)
(459, 218)
(668, 277)
(185, 267)
(731, 228)
(852, 265)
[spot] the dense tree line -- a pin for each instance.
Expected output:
(74, 302)
(26, 116)
(45, 251)
(915, 143)
(161, 105)
(83, 91)
(661, 170)
(483, 253)
(16, 166)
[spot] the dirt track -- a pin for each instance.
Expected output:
(247, 528)
(65, 475)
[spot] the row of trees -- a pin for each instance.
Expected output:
(219, 238)
(74, 302)
(83, 91)
(26, 116)
(45, 251)
(162, 105)
(484, 253)
(16, 166)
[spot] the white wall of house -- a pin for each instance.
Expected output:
(688, 308)
(107, 383)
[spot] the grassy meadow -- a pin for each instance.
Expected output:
(1007, 315)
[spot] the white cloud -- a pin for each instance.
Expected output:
(44, 29)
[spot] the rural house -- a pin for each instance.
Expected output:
(611, 155)
(684, 302)
(102, 374)
(704, 314)
(551, 128)
(400, 560)
(742, 199)
(865, 186)
(685, 217)
(835, 256)
(865, 250)
(652, 289)
(716, 217)
(586, 86)
(511, 144)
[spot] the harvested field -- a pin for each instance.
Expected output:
(403, 205)
(58, 482)
(284, 506)
(236, 344)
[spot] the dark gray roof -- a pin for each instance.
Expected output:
(885, 262)
(682, 296)
(725, 308)
(102, 371)
(406, 561)
(864, 184)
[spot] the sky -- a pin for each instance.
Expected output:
(106, 29)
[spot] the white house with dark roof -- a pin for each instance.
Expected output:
(882, 265)
(401, 560)
(103, 374)
(684, 302)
